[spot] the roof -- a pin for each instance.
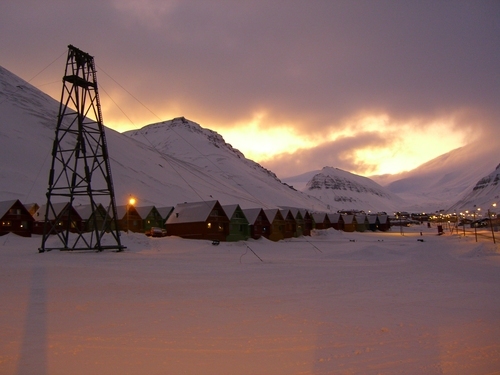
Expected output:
(318, 217)
(360, 218)
(57, 208)
(5, 206)
(165, 211)
(272, 214)
(334, 218)
(252, 214)
(144, 211)
(229, 209)
(295, 211)
(383, 219)
(193, 212)
(348, 219)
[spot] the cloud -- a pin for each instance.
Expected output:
(319, 68)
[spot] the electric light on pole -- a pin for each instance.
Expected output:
(130, 202)
(491, 223)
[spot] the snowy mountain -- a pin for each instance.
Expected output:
(344, 190)
(483, 194)
(162, 164)
(439, 183)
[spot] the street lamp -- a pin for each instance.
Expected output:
(491, 223)
(474, 222)
(131, 202)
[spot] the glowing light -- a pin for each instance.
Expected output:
(131, 201)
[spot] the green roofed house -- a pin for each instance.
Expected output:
(239, 228)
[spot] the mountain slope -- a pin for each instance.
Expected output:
(484, 193)
(438, 183)
(344, 190)
(216, 171)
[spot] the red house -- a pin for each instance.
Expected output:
(258, 222)
(15, 218)
(60, 217)
(198, 220)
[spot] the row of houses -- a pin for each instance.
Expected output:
(195, 220)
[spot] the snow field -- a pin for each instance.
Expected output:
(334, 303)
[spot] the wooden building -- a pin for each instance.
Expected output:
(61, 217)
(129, 219)
(239, 229)
(349, 223)
(297, 214)
(277, 224)
(372, 222)
(383, 223)
(15, 218)
(150, 217)
(199, 220)
(308, 222)
(320, 220)
(258, 223)
(362, 223)
(87, 216)
(290, 227)
(165, 212)
(336, 221)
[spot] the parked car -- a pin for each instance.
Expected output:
(156, 232)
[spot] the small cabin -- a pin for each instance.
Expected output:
(129, 219)
(362, 223)
(239, 229)
(165, 212)
(336, 221)
(92, 220)
(258, 223)
(15, 218)
(320, 220)
(198, 220)
(61, 216)
(308, 222)
(151, 217)
(372, 222)
(349, 223)
(277, 224)
(383, 223)
(290, 228)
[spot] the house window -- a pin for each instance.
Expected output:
(209, 225)
(7, 223)
(214, 213)
(221, 228)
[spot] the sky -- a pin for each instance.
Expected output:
(370, 87)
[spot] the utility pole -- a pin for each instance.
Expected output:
(80, 171)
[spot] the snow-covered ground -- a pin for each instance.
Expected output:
(334, 303)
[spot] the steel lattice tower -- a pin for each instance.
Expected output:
(80, 172)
